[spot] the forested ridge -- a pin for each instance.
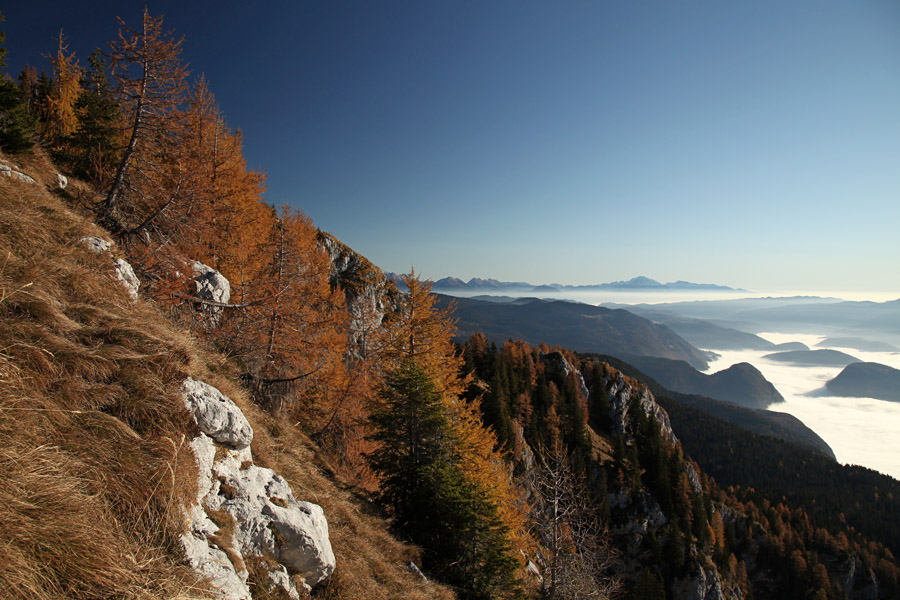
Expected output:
(516, 471)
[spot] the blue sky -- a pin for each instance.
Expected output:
(752, 144)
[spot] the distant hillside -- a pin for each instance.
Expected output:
(581, 327)
(876, 321)
(857, 344)
(708, 335)
(813, 358)
(867, 380)
(741, 383)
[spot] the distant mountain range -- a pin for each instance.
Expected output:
(640, 283)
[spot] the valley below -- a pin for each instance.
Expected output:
(861, 431)
(792, 339)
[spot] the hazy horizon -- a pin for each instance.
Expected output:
(631, 297)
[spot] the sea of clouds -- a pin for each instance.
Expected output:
(861, 431)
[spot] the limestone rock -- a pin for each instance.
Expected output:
(123, 269)
(280, 579)
(95, 244)
(211, 286)
(702, 585)
(268, 520)
(126, 275)
(14, 173)
(216, 414)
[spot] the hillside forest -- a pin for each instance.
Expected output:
(509, 471)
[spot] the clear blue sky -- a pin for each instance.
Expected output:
(752, 144)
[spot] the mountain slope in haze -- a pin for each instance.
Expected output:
(770, 423)
(581, 327)
(709, 335)
(741, 383)
(878, 321)
(867, 380)
(857, 344)
(813, 358)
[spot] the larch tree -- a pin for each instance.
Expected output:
(149, 79)
(292, 336)
(59, 118)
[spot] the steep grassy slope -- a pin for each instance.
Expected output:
(93, 432)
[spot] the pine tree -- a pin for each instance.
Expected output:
(16, 124)
(92, 149)
(430, 497)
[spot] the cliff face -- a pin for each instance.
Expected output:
(369, 293)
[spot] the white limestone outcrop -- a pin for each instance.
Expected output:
(13, 172)
(264, 517)
(216, 414)
(123, 268)
(126, 275)
(213, 288)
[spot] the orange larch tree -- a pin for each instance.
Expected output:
(149, 79)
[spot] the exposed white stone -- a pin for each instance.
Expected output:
(281, 580)
(62, 181)
(269, 521)
(702, 585)
(211, 286)
(210, 561)
(9, 171)
(95, 244)
(126, 275)
(216, 414)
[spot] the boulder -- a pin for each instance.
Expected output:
(95, 244)
(14, 173)
(211, 286)
(216, 414)
(126, 275)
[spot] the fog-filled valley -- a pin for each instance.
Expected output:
(861, 431)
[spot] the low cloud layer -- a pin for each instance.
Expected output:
(861, 431)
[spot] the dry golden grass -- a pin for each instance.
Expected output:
(94, 457)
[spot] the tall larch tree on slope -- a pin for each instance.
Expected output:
(149, 78)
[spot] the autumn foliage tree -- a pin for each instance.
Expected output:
(149, 79)
(59, 119)
(292, 335)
